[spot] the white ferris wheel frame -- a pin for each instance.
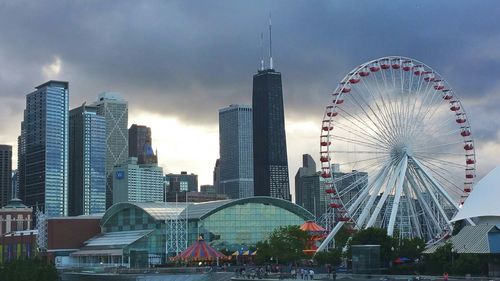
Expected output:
(397, 173)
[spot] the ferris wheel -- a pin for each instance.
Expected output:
(396, 151)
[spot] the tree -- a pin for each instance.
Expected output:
(284, 245)
(28, 269)
(376, 236)
(332, 257)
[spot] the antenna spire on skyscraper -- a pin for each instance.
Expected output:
(270, 43)
(261, 51)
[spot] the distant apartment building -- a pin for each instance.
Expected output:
(87, 157)
(115, 111)
(181, 182)
(236, 151)
(194, 197)
(43, 149)
(5, 174)
(133, 182)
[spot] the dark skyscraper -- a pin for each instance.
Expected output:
(140, 144)
(269, 139)
(5, 174)
(87, 156)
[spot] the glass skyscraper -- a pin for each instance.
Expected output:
(115, 110)
(44, 155)
(270, 159)
(236, 151)
(87, 154)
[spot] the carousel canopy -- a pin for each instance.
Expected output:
(200, 251)
(311, 226)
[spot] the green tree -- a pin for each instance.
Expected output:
(376, 236)
(439, 261)
(28, 270)
(284, 245)
(333, 257)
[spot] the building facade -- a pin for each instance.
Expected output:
(43, 149)
(15, 216)
(236, 151)
(309, 187)
(133, 234)
(133, 182)
(269, 139)
(181, 182)
(140, 144)
(115, 110)
(5, 174)
(87, 151)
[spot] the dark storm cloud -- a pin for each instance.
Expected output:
(190, 58)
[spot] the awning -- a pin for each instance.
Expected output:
(108, 252)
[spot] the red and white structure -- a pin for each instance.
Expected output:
(398, 120)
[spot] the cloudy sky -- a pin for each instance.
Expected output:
(178, 62)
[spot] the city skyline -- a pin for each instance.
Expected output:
(171, 83)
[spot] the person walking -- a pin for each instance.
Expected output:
(311, 274)
(334, 274)
(445, 276)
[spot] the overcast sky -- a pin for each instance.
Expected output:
(178, 62)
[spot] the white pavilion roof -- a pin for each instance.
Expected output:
(484, 200)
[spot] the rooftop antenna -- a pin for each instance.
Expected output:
(270, 43)
(261, 51)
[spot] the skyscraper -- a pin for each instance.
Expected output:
(309, 188)
(5, 174)
(115, 110)
(87, 150)
(140, 144)
(269, 139)
(236, 151)
(44, 149)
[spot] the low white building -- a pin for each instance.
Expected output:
(134, 182)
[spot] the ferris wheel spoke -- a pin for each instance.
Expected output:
(359, 152)
(384, 121)
(441, 161)
(369, 130)
(439, 145)
(359, 142)
(429, 165)
(376, 123)
(357, 133)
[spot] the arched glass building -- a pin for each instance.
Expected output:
(135, 234)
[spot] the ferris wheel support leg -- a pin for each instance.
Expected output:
(441, 190)
(330, 236)
(377, 185)
(385, 194)
(397, 196)
(426, 207)
(421, 176)
(412, 210)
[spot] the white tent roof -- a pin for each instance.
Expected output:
(483, 201)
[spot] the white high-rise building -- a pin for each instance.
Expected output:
(134, 182)
(236, 151)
